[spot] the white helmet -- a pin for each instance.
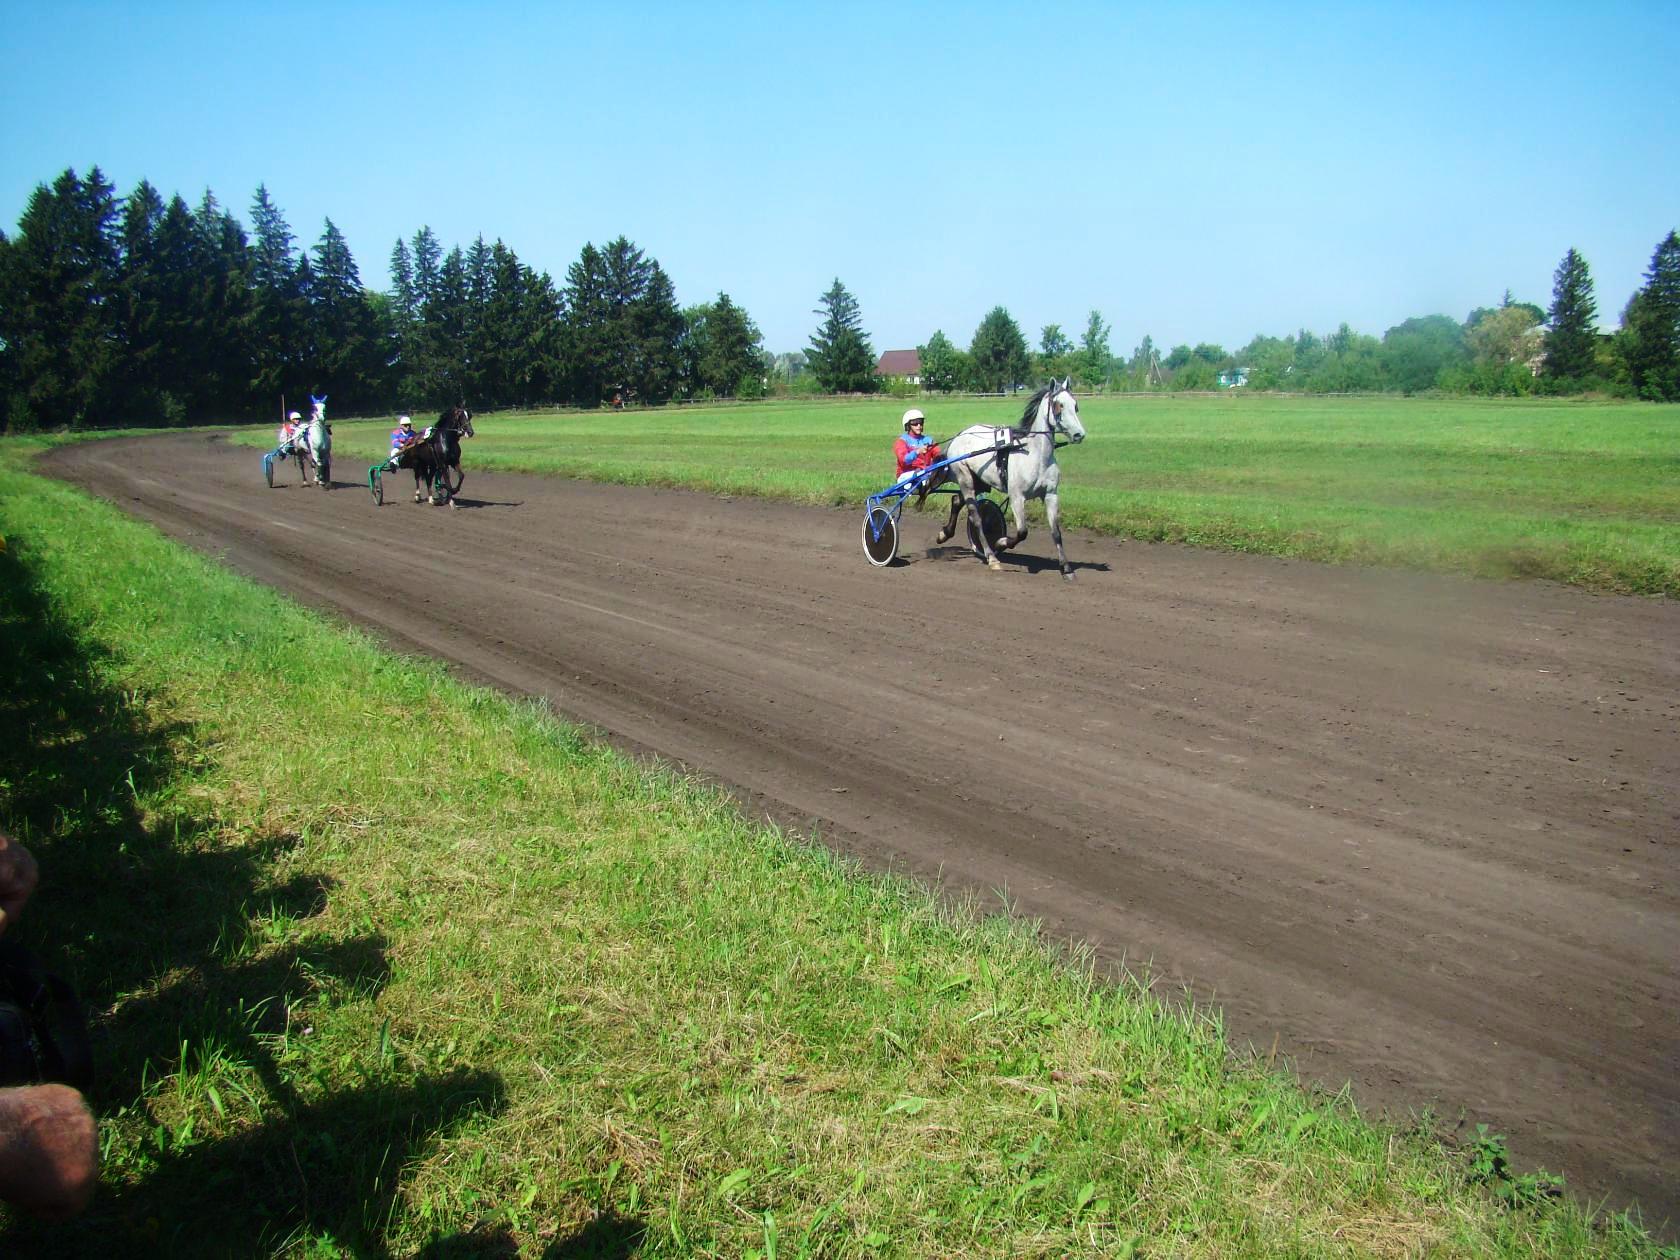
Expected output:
(405, 422)
(292, 415)
(915, 413)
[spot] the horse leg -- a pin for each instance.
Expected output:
(417, 483)
(1053, 512)
(1017, 510)
(977, 529)
(950, 526)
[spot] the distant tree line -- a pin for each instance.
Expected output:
(140, 311)
(1514, 348)
(146, 312)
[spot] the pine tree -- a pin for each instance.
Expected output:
(349, 347)
(428, 254)
(1652, 321)
(404, 304)
(59, 328)
(139, 298)
(998, 352)
(732, 360)
(1572, 342)
(623, 328)
(840, 355)
(279, 319)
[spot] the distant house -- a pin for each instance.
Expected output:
(1233, 378)
(905, 363)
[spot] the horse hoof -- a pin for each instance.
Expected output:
(1067, 577)
(944, 536)
(995, 566)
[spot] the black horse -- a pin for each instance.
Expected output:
(439, 453)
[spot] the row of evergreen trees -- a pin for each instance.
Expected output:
(138, 311)
(141, 311)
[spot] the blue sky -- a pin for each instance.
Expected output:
(1198, 172)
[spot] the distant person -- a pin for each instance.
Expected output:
(49, 1145)
(915, 451)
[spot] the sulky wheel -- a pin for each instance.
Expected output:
(268, 471)
(376, 485)
(880, 537)
(991, 520)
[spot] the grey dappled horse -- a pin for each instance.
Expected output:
(313, 443)
(1020, 461)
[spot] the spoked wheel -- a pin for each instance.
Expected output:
(268, 470)
(991, 520)
(376, 485)
(880, 537)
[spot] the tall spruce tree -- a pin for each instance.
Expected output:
(998, 353)
(731, 361)
(1652, 322)
(1572, 341)
(59, 327)
(279, 336)
(622, 326)
(349, 351)
(840, 355)
(139, 299)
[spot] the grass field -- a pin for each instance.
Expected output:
(1581, 492)
(386, 965)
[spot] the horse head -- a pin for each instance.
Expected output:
(1064, 410)
(318, 408)
(457, 418)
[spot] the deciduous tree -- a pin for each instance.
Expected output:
(1094, 354)
(942, 367)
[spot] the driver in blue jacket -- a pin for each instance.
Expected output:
(402, 437)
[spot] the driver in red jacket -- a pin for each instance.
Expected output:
(915, 451)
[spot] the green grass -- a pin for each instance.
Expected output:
(382, 963)
(1581, 492)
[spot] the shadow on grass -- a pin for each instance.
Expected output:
(331, 1169)
(608, 1237)
(180, 936)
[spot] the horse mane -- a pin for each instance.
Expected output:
(1029, 414)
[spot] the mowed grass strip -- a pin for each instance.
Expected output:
(1581, 492)
(383, 963)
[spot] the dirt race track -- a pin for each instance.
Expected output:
(1415, 832)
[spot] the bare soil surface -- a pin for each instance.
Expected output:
(1413, 832)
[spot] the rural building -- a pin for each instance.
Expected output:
(905, 363)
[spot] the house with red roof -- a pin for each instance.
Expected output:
(905, 363)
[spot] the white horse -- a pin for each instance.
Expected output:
(313, 443)
(1019, 461)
